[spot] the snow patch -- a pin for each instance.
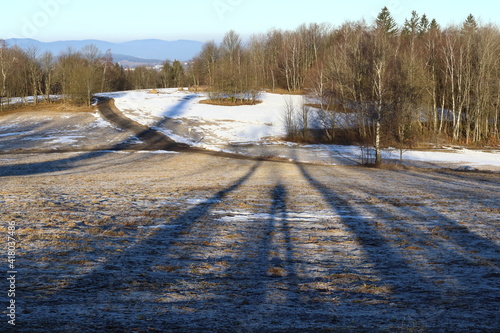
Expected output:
(235, 128)
(160, 226)
(14, 133)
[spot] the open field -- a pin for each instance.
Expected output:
(150, 241)
(116, 233)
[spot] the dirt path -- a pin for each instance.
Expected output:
(151, 139)
(141, 242)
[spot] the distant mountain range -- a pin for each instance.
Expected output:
(128, 54)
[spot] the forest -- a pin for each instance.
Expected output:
(401, 85)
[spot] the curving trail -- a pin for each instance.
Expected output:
(152, 139)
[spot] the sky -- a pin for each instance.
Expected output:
(204, 20)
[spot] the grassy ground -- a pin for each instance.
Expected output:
(188, 242)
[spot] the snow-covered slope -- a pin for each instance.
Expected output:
(258, 130)
(228, 124)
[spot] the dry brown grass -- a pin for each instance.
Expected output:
(373, 289)
(281, 91)
(217, 260)
(168, 268)
(48, 107)
(199, 88)
(276, 272)
(229, 102)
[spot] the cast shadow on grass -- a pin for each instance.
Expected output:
(171, 274)
(391, 266)
(125, 272)
(456, 269)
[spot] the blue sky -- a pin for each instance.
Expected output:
(117, 21)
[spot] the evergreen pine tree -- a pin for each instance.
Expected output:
(386, 22)
(434, 25)
(424, 25)
(412, 25)
(470, 24)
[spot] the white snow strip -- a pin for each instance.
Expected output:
(160, 226)
(14, 133)
(289, 216)
(199, 201)
(66, 139)
(100, 122)
(156, 152)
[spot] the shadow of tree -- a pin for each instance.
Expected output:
(425, 255)
(178, 109)
(228, 264)
(131, 270)
(392, 267)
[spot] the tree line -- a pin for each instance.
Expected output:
(76, 75)
(393, 83)
(376, 82)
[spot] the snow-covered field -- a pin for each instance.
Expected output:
(217, 125)
(256, 130)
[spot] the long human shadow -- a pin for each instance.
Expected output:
(119, 272)
(261, 262)
(277, 225)
(279, 215)
(273, 264)
(271, 285)
(278, 260)
(389, 264)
